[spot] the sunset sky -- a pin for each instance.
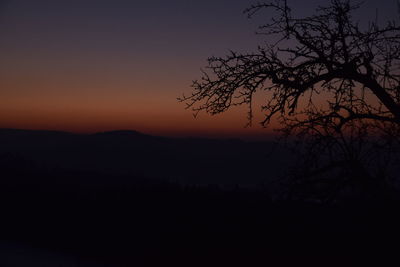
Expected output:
(96, 65)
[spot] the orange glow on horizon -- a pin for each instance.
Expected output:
(168, 121)
(86, 107)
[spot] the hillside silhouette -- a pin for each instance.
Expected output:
(183, 160)
(124, 198)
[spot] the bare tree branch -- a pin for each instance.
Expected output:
(323, 50)
(333, 84)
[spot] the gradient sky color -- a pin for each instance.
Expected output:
(97, 65)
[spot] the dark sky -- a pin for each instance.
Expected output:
(91, 65)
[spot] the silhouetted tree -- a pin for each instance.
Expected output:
(330, 81)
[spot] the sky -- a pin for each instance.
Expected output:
(99, 65)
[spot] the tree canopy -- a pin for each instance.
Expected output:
(329, 79)
(325, 55)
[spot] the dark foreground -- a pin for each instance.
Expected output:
(77, 219)
(104, 200)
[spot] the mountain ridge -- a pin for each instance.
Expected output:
(125, 152)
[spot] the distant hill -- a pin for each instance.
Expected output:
(184, 160)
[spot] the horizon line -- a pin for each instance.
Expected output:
(211, 135)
